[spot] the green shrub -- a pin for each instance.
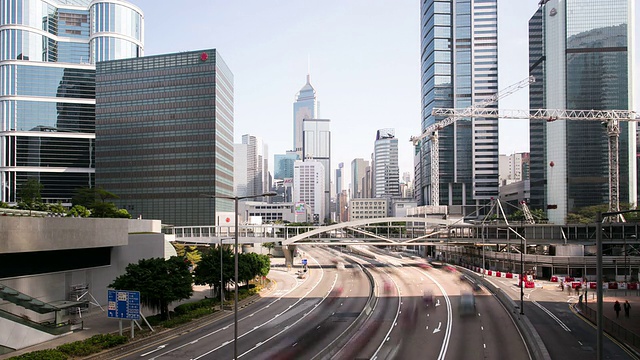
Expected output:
(188, 307)
(49, 354)
(79, 348)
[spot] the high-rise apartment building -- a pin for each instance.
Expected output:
(581, 51)
(459, 68)
(308, 187)
(47, 57)
(386, 171)
(358, 172)
(316, 145)
(164, 135)
(513, 168)
(305, 107)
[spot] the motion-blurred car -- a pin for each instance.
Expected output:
(467, 304)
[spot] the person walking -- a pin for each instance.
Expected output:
(627, 308)
(617, 308)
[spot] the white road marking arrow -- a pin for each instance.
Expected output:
(438, 328)
(152, 351)
(438, 302)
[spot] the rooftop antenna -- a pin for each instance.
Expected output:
(308, 67)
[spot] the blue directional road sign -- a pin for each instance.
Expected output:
(304, 261)
(123, 304)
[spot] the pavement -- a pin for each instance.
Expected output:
(97, 322)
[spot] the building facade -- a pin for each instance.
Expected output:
(386, 171)
(358, 173)
(371, 208)
(305, 107)
(164, 135)
(283, 165)
(257, 165)
(513, 168)
(47, 57)
(459, 68)
(308, 187)
(316, 146)
(584, 51)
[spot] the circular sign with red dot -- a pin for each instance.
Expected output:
(204, 56)
(227, 219)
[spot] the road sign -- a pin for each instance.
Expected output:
(304, 261)
(123, 304)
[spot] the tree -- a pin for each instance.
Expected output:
(208, 270)
(159, 281)
(269, 245)
(30, 191)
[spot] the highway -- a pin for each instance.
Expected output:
(303, 318)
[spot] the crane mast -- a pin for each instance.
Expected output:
(431, 133)
(611, 118)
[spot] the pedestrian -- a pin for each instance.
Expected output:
(627, 308)
(561, 285)
(617, 308)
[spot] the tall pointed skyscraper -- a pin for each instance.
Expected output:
(305, 107)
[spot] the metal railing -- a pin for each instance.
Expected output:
(611, 327)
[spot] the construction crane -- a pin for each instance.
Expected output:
(528, 217)
(611, 118)
(431, 133)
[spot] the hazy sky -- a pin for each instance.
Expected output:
(364, 61)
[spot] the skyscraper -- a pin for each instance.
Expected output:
(49, 49)
(164, 135)
(581, 49)
(459, 68)
(358, 172)
(305, 107)
(316, 145)
(308, 187)
(283, 165)
(386, 172)
(257, 165)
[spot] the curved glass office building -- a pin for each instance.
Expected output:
(47, 54)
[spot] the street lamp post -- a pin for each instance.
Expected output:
(236, 199)
(521, 278)
(221, 279)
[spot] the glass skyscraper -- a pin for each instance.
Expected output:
(47, 54)
(582, 55)
(386, 172)
(164, 135)
(305, 107)
(316, 146)
(459, 42)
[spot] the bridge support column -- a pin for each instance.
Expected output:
(289, 251)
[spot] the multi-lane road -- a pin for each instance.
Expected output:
(329, 314)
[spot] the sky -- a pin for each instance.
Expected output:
(363, 57)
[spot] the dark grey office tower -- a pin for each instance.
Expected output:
(164, 135)
(537, 143)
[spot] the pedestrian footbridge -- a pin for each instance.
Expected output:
(405, 231)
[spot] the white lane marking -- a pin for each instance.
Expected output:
(579, 342)
(447, 332)
(485, 345)
(482, 328)
(552, 315)
(152, 351)
(226, 327)
(395, 320)
(438, 328)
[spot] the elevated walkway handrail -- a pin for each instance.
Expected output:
(28, 302)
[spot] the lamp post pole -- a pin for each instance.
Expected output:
(236, 199)
(521, 278)
(221, 279)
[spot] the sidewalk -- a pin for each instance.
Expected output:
(625, 330)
